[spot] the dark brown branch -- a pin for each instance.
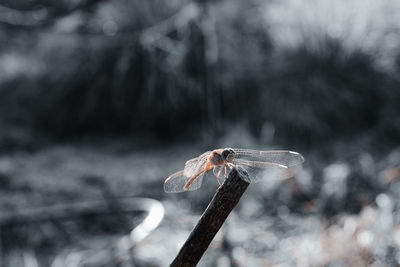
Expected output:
(224, 200)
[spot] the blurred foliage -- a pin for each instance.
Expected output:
(317, 96)
(174, 69)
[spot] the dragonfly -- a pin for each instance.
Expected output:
(278, 164)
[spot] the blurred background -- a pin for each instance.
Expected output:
(101, 100)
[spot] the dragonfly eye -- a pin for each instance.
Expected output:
(227, 154)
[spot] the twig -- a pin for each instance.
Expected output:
(224, 200)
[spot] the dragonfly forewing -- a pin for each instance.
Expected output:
(282, 157)
(175, 183)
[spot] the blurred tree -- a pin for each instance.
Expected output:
(101, 67)
(41, 13)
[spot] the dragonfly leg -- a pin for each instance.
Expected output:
(225, 171)
(219, 172)
(219, 182)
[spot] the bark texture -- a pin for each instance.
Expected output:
(223, 202)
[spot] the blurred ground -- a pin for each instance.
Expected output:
(341, 206)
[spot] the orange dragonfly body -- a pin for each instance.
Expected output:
(278, 164)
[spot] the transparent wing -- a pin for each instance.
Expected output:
(282, 157)
(175, 183)
(193, 165)
(258, 170)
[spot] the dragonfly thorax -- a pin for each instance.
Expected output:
(216, 158)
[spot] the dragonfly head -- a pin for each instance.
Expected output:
(228, 154)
